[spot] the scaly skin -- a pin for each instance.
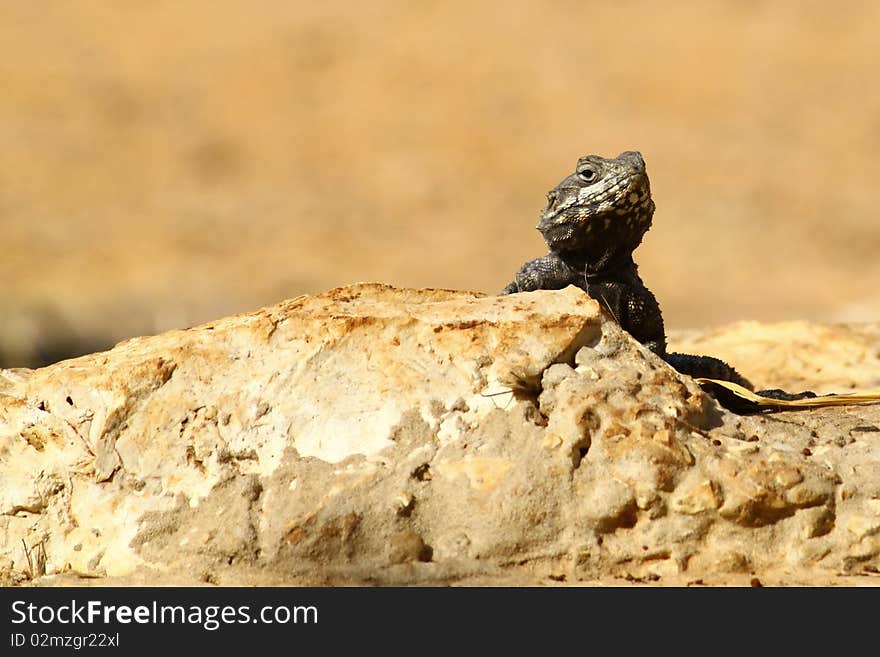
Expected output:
(594, 220)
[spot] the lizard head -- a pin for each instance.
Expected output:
(601, 211)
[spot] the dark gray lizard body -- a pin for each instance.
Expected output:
(594, 220)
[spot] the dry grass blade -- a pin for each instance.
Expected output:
(36, 559)
(864, 397)
(27, 556)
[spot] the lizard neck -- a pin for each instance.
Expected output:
(608, 267)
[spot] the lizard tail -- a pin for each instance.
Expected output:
(706, 367)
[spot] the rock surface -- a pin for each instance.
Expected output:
(394, 436)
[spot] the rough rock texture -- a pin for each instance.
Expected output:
(381, 435)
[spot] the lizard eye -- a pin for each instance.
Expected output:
(587, 175)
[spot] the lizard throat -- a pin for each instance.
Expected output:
(606, 268)
(598, 242)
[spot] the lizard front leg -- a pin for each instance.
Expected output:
(548, 272)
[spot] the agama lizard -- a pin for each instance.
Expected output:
(594, 220)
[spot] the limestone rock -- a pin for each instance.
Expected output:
(381, 435)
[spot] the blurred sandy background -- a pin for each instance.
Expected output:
(166, 162)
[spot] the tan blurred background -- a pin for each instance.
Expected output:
(166, 162)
